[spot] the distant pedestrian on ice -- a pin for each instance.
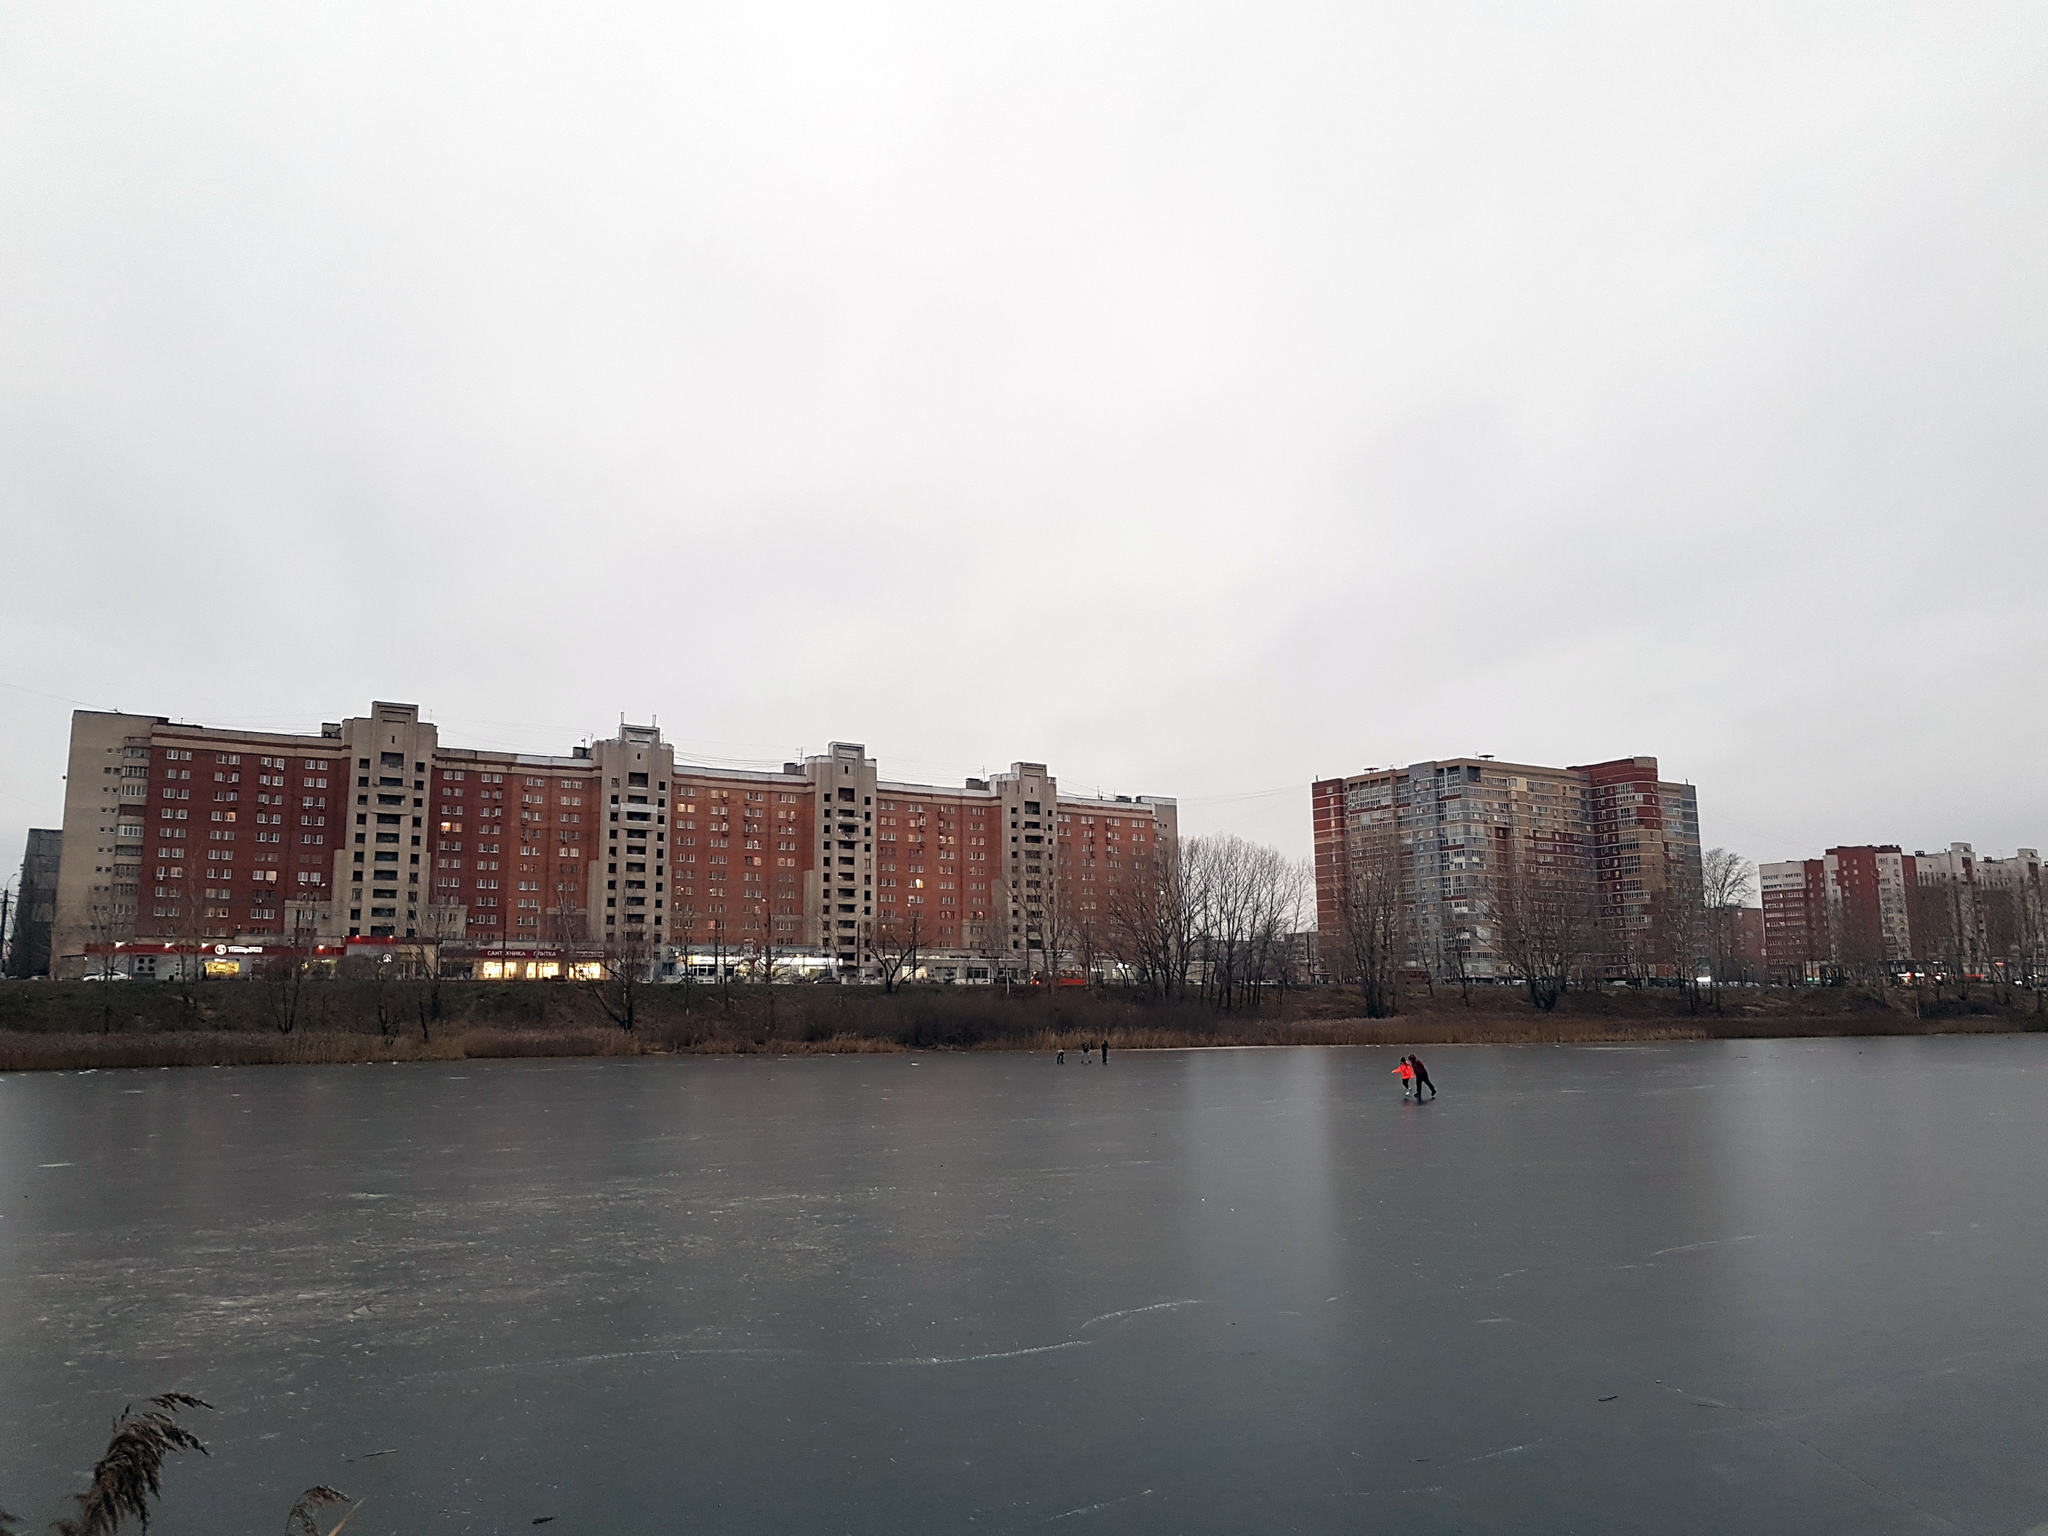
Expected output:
(1105, 1053)
(1407, 1075)
(1061, 1060)
(1421, 1078)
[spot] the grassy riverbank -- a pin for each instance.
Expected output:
(54, 1026)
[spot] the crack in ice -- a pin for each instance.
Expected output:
(1001, 1354)
(1157, 1306)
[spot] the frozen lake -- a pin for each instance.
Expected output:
(1756, 1286)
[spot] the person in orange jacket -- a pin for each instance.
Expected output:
(1407, 1075)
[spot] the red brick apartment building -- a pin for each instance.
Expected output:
(186, 839)
(1873, 907)
(1849, 908)
(1795, 899)
(1614, 831)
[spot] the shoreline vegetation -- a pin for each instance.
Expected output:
(48, 1026)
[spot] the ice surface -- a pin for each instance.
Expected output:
(1758, 1286)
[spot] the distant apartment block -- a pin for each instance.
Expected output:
(28, 948)
(1619, 837)
(1795, 903)
(1872, 907)
(186, 836)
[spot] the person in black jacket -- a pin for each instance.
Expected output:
(1421, 1078)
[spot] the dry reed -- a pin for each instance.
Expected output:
(300, 1521)
(42, 1028)
(44, 1052)
(131, 1472)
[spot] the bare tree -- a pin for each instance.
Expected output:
(765, 961)
(1056, 923)
(1942, 917)
(1962, 932)
(288, 976)
(618, 977)
(1241, 901)
(103, 924)
(1631, 949)
(2030, 938)
(1682, 927)
(682, 923)
(1455, 956)
(722, 964)
(1856, 945)
(1727, 881)
(1290, 903)
(442, 924)
(569, 927)
(2033, 928)
(189, 935)
(1089, 928)
(987, 936)
(1927, 919)
(2002, 920)
(897, 942)
(1544, 909)
(1151, 919)
(378, 975)
(1370, 930)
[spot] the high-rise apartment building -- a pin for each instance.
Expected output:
(2012, 913)
(1867, 888)
(1795, 901)
(189, 837)
(2020, 873)
(1611, 838)
(1971, 913)
(35, 911)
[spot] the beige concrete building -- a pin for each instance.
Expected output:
(100, 878)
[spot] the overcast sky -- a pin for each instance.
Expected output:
(1199, 400)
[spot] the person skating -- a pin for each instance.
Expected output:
(1407, 1076)
(1421, 1078)
(1105, 1053)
